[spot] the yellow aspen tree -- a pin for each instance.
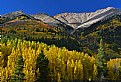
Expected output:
(72, 69)
(76, 70)
(59, 77)
(80, 70)
(114, 68)
(95, 73)
(69, 70)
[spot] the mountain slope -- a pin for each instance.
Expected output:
(46, 18)
(51, 21)
(104, 23)
(81, 20)
(21, 26)
(14, 15)
(108, 30)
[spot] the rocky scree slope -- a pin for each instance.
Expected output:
(82, 20)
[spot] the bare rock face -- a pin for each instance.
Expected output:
(12, 15)
(45, 18)
(51, 21)
(82, 20)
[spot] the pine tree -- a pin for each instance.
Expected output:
(100, 55)
(100, 59)
(18, 75)
(42, 66)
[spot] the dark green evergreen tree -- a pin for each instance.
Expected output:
(18, 75)
(42, 66)
(100, 55)
(101, 60)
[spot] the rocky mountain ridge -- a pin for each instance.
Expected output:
(81, 20)
(74, 20)
(12, 15)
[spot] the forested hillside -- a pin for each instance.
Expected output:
(35, 30)
(26, 61)
(45, 49)
(108, 29)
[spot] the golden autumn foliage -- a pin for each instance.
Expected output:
(114, 69)
(62, 63)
